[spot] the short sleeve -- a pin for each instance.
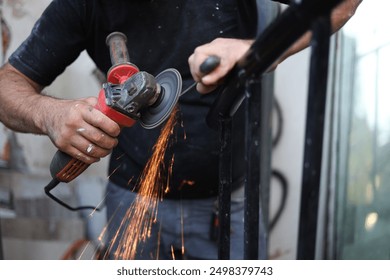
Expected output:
(56, 40)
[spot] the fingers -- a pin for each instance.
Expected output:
(82, 131)
(87, 151)
(97, 137)
(206, 82)
(195, 60)
(229, 50)
(97, 119)
(92, 143)
(202, 88)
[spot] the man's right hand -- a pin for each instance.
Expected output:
(82, 131)
(74, 126)
(229, 50)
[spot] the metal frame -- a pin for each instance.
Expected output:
(298, 18)
(1, 244)
(315, 119)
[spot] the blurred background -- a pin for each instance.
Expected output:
(354, 217)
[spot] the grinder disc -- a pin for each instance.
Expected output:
(171, 83)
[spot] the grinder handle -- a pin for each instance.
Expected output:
(116, 43)
(65, 168)
(209, 64)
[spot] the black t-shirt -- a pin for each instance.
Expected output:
(160, 34)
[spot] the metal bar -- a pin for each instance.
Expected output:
(267, 48)
(283, 1)
(225, 187)
(258, 147)
(266, 144)
(1, 244)
(258, 142)
(252, 158)
(315, 117)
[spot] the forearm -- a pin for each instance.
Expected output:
(339, 16)
(231, 50)
(72, 125)
(22, 108)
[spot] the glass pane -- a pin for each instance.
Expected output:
(363, 182)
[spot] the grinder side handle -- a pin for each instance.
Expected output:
(116, 43)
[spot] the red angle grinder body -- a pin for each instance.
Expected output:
(117, 75)
(129, 96)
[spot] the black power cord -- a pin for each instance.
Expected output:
(284, 188)
(1, 244)
(278, 122)
(278, 175)
(52, 184)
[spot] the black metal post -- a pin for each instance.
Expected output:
(266, 144)
(258, 104)
(285, 30)
(315, 118)
(225, 187)
(252, 159)
(267, 48)
(1, 244)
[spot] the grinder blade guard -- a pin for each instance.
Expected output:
(141, 96)
(170, 88)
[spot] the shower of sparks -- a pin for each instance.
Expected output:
(142, 214)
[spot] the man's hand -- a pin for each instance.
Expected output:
(339, 17)
(82, 131)
(74, 126)
(229, 50)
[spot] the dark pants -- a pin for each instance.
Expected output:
(180, 224)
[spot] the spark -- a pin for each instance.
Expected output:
(130, 180)
(170, 173)
(84, 250)
(186, 182)
(184, 131)
(142, 214)
(159, 241)
(173, 253)
(119, 157)
(104, 231)
(182, 228)
(97, 207)
(114, 171)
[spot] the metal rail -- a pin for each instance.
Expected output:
(225, 187)
(1, 244)
(315, 118)
(298, 18)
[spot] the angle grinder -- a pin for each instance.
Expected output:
(130, 95)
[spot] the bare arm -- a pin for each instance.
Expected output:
(18, 105)
(231, 50)
(70, 124)
(339, 17)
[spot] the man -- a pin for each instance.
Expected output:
(161, 34)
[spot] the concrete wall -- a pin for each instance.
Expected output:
(28, 168)
(291, 92)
